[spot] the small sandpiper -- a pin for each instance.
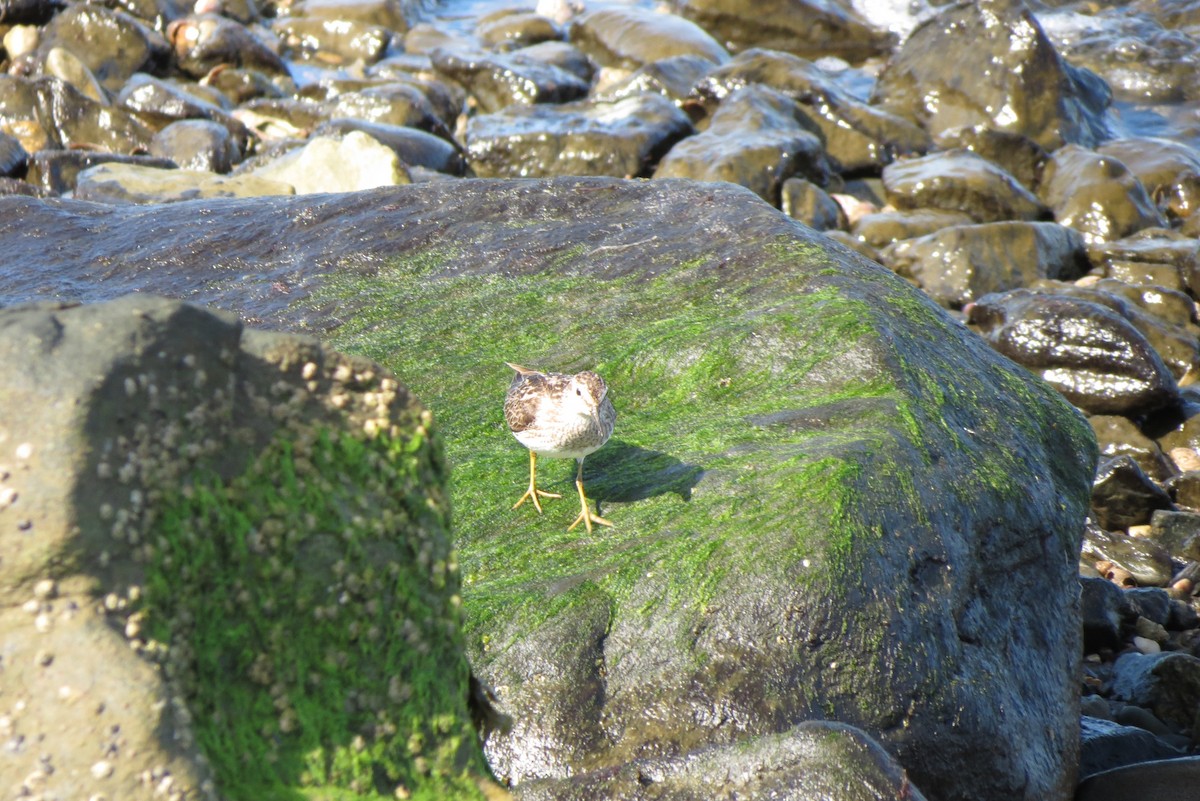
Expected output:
(561, 417)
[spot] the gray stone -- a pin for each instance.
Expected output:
(1105, 745)
(1104, 608)
(1167, 684)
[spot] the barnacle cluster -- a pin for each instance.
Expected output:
(285, 508)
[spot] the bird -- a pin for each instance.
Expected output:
(559, 416)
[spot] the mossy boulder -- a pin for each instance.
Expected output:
(226, 566)
(830, 499)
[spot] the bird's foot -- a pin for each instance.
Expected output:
(587, 518)
(532, 494)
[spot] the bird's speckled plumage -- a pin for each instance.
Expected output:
(557, 415)
(560, 416)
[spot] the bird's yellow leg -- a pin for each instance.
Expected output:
(533, 492)
(584, 515)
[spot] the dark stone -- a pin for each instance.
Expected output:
(1167, 684)
(196, 145)
(816, 759)
(205, 41)
(801, 27)
(959, 180)
(1105, 745)
(1123, 495)
(885, 227)
(632, 37)
(414, 147)
(74, 120)
(672, 78)
(752, 140)
(1016, 154)
(1151, 603)
(13, 157)
(1094, 356)
(330, 42)
(1185, 491)
(805, 201)
(499, 80)
(990, 63)
(858, 138)
(1096, 195)
(1170, 172)
(1161, 778)
(1120, 436)
(959, 264)
(112, 44)
(1104, 608)
(58, 170)
(1177, 532)
(510, 30)
(621, 139)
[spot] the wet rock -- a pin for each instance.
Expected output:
(1176, 531)
(633, 37)
(280, 118)
(57, 171)
(1016, 154)
(1123, 495)
(1126, 561)
(752, 140)
(154, 98)
(112, 45)
(959, 264)
(1170, 306)
(1119, 436)
(511, 30)
(498, 80)
(857, 137)
(394, 15)
(1104, 609)
(1185, 491)
(98, 481)
(566, 57)
(990, 63)
(1151, 258)
(1176, 344)
(74, 120)
(203, 42)
(805, 28)
(1088, 352)
(628, 646)
(1096, 195)
(816, 759)
(30, 12)
(241, 85)
(1149, 603)
(332, 41)
(621, 139)
(19, 113)
(13, 157)
(886, 227)
(350, 164)
(1170, 171)
(1136, 56)
(959, 180)
(197, 145)
(1165, 777)
(805, 201)
(1168, 684)
(66, 66)
(402, 104)
(672, 77)
(413, 147)
(115, 182)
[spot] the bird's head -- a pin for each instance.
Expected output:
(586, 393)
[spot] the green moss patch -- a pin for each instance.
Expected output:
(310, 621)
(696, 462)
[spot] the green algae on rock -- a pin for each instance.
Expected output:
(810, 458)
(260, 520)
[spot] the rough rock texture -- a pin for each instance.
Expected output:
(814, 475)
(226, 569)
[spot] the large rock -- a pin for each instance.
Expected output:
(226, 567)
(990, 63)
(814, 476)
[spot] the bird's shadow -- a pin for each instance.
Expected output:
(621, 473)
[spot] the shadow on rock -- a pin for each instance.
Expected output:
(624, 473)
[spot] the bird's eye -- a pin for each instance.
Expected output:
(579, 392)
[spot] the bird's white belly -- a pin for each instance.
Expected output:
(574, 442)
